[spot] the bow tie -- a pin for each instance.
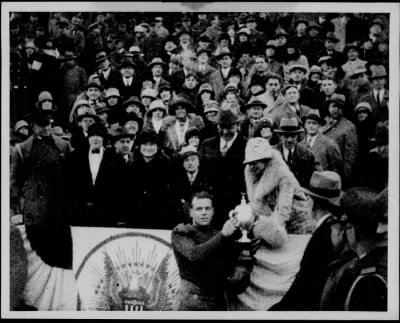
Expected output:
(96, 151)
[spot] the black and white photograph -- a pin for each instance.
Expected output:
(200, 160)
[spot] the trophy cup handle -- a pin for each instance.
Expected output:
(232, 214)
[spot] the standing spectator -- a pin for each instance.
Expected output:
(313, 45)
(223, 157)
(344, 133)
(205, 95)
(298, 77)
(300, 159)
(154, 119)
(292, 56)
(219, 78)
(353, 62)
(200, 249)
(203, 69)
(127, 83)
(257, 38)
(254, 112)
(159, 29)
(325, 150)
(157, 67)
(330, 42)
(107, 73)
(79, 137)
(273, 66)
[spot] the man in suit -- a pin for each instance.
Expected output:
(203, 68)
(330, 42)
(223, 157)
(305, 292)
(220, 77)
(94, 182)
(127, 83)
(344, 133)
(105, 70)
(298, 157)
(297, 77)
(254, 112)
(157, 67)
(325, 150)
(292, 95)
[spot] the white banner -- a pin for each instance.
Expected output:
(124, 269)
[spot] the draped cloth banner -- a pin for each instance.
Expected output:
(124, 269)
(272, 275)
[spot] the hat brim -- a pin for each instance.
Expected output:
(82, 116)
(163, 64)
(247, 161)
(189, 153)
(333, 200)
(294, 132)
(320, 120)
(188, 106)
(219, 56)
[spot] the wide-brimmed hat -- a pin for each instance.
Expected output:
(164, 86)
(298, 67)
(157, 104)
(119, 132)
(313, 114)
(349, 46)
(112, 91)
(312, 25)
(337, 98)
(223, 52)
(299, 21)
(331, 36)
(363, 106)
(227, 118)
(68, 55)
(326, 185)
(252, 103)
(94, 83)
(205, 87)
(126, 62)
(211, 106)
(149, 93)
(180, 101)
(231, 87)
(361, 209)
(20, 124)
(244, 31)
(148, 136)
(101, 108)
(131, 116)
(88, 114)
(257, 148)
(156, 61)
(289, 126)
(97, 129)
(378, 71)
(134, 100)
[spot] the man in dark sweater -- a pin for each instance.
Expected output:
(205, 257)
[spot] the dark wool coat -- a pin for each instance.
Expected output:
(127, 91)
(36, 178)
(99, 204)
(303, 163)
(344, 133)
(225, 174)
(327, 153)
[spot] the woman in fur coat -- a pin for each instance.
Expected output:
(278, 202)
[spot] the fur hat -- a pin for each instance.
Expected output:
(257, 149)
(156, 61)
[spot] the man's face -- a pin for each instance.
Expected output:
(96, 141)
(301, 28)
(123, 146)
(148, 149)
(190, 82)
(292, 95)
(85, 123)
(289, 141)
(315, 77)
(225, 61)
(201, 211)
(334, 110)
(42, 130)
(234, 79)
(202, 58)
(230, 96)
(127, 71)
(227, 132)
(180, 112)
(165, 95)
(297, 75)
(112, 101)
(273, 86)
(157, 70)
(256, 112)
(131, 127)
(311, 127)
(338, 237)
(329, 44)
(379, 83)
(328, 87)
(352, 54)
(184, 39)
(93, 93)
(313, 32)
(243, 38)
(191, 163)
(270, 51)
(104, 65)
(261, 66)
(194, 141)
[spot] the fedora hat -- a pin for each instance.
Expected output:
(148, 136)
(313, 114)
(101, 57)
(131, 116)
(156, 61)
(149, 93)
(119, 132)
(88, 114)
(180, 101)
(298, 67)
(97, 129)
(337, 98)
(361, 209)
(227, 118)
(326, 185)
(257, 149)
(203, 50)
(223, 52)
(253, 103)
(94, 82)
(231, 87)
(378, 72)
(331, 36)
(289, 125)
(126, 62)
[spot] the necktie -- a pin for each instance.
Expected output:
(289, 159)
(224, 149)
(191, 178)
(378, 101)
(309, 141)
(96, 151)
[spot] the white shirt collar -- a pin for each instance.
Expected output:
(230, 142)
(286, 152)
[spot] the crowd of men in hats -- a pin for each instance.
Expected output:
(118, 119)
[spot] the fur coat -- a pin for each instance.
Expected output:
(278, 202)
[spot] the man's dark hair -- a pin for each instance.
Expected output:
(200, 195)
(274, 76)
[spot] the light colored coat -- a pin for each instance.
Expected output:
(278, 201)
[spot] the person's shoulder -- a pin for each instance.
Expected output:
(183, 228)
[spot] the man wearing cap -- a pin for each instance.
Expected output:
(344, 133)
(223, 164)
(108, 75)
(93, 92)
(202, 67)
(219, 78)
(94, 182)
(36, 179)
(330, 42)
(134, 105)
(325, 150)
(359, 284)
(182, 118)
(157, 67)
(298, 157)
(324, 246)
(127, 83)
(253, 110)
(313, 45)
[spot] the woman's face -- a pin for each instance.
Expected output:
(205, 96)
(93, 93)
(266, 133)
(257, 167)
(148, 149)
(112, 101)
